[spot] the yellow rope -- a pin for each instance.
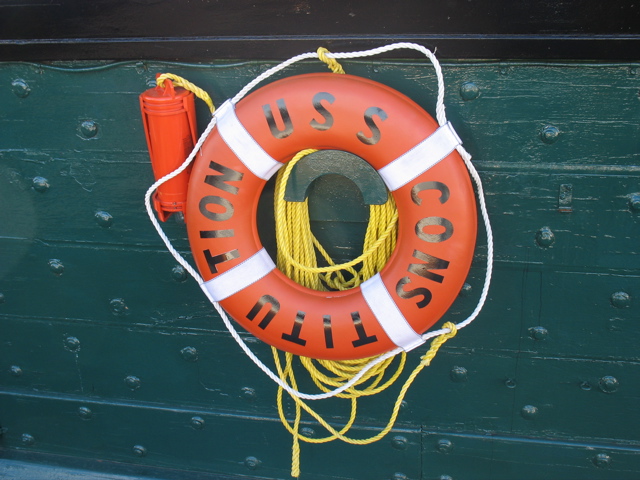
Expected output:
(332, 63)
(187, 85)
(297, 248)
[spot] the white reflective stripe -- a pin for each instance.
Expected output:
(420, 158)
(388, 314)
(239, 277)
(244, 146)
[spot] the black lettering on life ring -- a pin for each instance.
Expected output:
(363, 338)
(328, 334)
(418, 187)
(430, 263)
(214, 260)
(294, 336)
(328, 118)
(215, 200)
(284, 115)
(274, 307)
(434, 237)
(402, 293)
(220, 181)
(226, 233)
(375, 131)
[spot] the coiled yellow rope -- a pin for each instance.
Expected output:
(297, 259)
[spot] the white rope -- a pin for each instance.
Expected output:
(442, 120)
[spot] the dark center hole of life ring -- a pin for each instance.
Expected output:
(338, 213)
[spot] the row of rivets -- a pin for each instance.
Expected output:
(87, 128)
(470, 91)
(601, 460)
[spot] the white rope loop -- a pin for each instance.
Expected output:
(442, 120)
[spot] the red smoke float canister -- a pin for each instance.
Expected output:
(169, 118)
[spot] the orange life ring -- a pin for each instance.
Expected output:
(419, 164)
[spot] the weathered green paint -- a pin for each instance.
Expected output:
(543, 385)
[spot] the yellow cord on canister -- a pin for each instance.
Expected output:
(178, 81)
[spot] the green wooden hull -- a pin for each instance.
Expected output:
(112, 361)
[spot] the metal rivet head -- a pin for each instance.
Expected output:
(445, 477)
(88, 129)
(399, 476)
(178, 217)
(249, 393)
(586, 386)
(458, 374)
(466, 290)
(609, 384)
(40, 184)
(252, 463)
(56, 266)
(634, 202)
(15, 370)
(602, 460)
(469, 91)
(141, 67)
(510, 383)
(308, 432)
(118, 307)
(27, 439)
(197, 423)
(190, 354)
(20, 88)
(139, 451)
(620, 299)
(1, 297)
(444, 445)
(538, 333)
(85, 413)
(132, 382)
(399, 442)
(545, 237)
(178, 273)
(72, 344)
(104, 219)
(529, 411)
(549, 134)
